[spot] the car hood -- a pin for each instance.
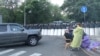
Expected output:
(33, 31)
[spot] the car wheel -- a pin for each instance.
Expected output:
(32, 41)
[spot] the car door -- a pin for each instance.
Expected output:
(18, 34)
(4, 34)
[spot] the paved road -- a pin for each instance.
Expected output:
(48, 46)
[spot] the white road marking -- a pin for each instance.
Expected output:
(18, 53)
(36, 54)
(6, 51)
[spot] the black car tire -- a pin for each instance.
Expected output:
(32, 41)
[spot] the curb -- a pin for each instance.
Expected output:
(91, 53)
(86, 52)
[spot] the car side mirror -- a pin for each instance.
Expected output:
(22, 29)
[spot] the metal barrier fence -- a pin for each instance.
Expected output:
(58, 30)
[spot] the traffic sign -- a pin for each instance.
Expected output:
(84, 9)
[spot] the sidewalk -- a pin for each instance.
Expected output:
(78, 53)
(83, 52)
(92, 53)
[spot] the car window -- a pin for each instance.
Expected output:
(15, 28)
(3, 28)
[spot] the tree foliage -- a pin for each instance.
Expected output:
(8, 10)
(56, 13)
(72, 8)
(35, 11)
(38, 11)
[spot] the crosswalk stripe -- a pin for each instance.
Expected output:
(6, 51)
(18, 53)
(36, 54)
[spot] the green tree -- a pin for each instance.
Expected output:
(72, 8)
(38, 11)
(41, 11)
(56, 13)
(8, 9)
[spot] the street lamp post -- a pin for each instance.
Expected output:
(0, 18)
(24, 12)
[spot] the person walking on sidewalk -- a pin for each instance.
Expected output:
(77, 39)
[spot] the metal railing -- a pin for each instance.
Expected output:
(92, 29)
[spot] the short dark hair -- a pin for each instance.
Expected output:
(79, 24)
